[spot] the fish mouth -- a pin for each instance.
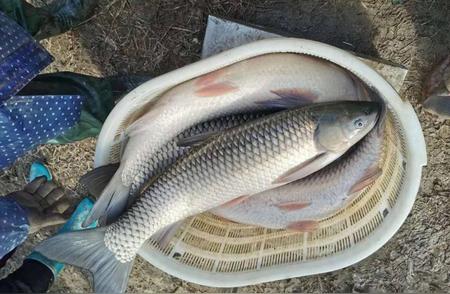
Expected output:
(380, 108)
(374, 109)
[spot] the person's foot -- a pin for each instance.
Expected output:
(73, 224)
(64, 15)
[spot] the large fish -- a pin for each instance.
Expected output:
(274, 80)
(261, 154)
(301, 204)
(151, 166)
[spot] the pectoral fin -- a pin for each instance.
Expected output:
(289, 98)
(215, 89)
(305, 168)
(235, 201)
(292, 206)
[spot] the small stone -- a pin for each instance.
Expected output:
(444, 132)
(443, 276)
(393, 255)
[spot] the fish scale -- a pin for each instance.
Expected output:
(151, 166)
(327, 190)
(182, 105)
(216, 181)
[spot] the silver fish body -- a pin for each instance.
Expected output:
(254, 157)
(152, 166)
(315, 197)
(248, 85)
(262, 82)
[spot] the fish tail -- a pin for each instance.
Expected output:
(87, 249)
(113, 199)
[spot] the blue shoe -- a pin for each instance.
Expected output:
(73, 224)
(38, 169)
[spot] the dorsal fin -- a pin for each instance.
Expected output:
(196, 140)
(289, 98)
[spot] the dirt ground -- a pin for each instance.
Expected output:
(154, 37)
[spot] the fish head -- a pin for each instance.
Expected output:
(341, 125)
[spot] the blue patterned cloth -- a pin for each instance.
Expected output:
(25, 121)
(13, 225)
(21, 58)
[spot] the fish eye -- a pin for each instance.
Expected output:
(358, 123)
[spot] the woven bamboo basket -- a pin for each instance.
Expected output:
(215, 252)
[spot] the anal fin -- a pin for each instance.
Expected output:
(370, 176)
(304, 226)
(111, 203)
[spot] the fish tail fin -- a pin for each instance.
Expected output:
(87, 249)
(112, 201)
